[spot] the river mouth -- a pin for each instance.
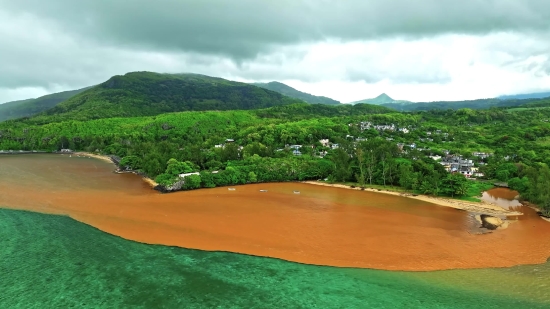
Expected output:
(508, 199)
(320, 226)
(502, 197)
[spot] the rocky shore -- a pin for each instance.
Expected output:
(492, 223)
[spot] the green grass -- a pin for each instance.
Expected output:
(476, 189)
(51, 261)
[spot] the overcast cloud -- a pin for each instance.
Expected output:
(349, 50)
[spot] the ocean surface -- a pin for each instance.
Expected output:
(74, 234)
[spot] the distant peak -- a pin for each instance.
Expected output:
(384, 96)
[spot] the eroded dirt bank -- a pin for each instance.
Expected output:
(320, 225)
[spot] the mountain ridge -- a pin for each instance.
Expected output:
(148, 93)
(30, 107)
(534, 95)
(297, 94)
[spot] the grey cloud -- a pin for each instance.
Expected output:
(242, 29)
(70, 44)
(370, 77)
(402, 72)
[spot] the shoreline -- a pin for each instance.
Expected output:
(535, 208)
(474, 207)
(106, 158)
(150, 182)
(481, 207)
(93, 155)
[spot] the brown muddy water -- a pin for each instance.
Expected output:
(321, 225)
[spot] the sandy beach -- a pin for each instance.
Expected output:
(95, 156)
(150, 181)
(105, 158)
(480, 207)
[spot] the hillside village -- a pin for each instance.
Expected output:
(452, 162)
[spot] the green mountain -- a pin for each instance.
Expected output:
(146, 94)
(381, 99)
(293, 93)
(29, 107)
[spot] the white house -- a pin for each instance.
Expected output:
(324, 142)
(187, 174)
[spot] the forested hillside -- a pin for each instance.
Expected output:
(146, 93)
(472, 104)
(362, 143)
(293, 93)
(536, 95)
(29, 107)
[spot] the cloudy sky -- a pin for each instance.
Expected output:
(420, 50)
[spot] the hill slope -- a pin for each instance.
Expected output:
(293, 93)
(381, 99)
(147, 94)
(29, 107)
(472, 104)
(538, 95)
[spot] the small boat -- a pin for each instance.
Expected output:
(263, 190)
(231, 189)
(296, 192)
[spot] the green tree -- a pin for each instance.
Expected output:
(341, 161)
(192, 182)
(165, 179)
(252, 177)
(407, 177)
(175, 167)
(454, 185)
